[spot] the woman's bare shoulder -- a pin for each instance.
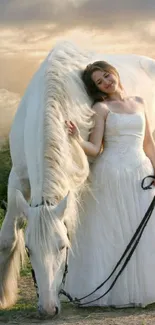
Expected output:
(101, 108)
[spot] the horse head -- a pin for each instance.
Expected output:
(47, 241)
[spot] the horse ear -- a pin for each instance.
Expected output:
(22, 204)
(61, 207)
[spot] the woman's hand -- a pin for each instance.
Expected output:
(72, 129)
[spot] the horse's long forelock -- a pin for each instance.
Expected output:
(45, 228)
(10, 263)
(65, 164)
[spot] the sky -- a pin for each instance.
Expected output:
(30, 29)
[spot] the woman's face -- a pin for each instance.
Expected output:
(107, 82)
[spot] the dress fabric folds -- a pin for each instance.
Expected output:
(110, 215)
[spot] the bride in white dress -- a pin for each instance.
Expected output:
(114, 208)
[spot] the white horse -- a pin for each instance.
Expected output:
(46, 165)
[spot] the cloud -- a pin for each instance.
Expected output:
(68, 14)
(34, 26)
(29, 29)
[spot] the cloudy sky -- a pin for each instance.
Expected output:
(29, 29)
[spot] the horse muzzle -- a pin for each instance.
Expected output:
(51, 312)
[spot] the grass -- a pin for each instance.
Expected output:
(24, 312)
(5, 166)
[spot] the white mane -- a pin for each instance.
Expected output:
(65, 164)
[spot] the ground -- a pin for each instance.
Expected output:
(24, 312)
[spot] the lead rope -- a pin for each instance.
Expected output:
(130, 248)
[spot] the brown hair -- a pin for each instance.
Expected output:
(93, 91)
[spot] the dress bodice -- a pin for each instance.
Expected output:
(123, 138)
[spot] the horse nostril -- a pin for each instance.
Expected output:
(41, 310)
(56, 310)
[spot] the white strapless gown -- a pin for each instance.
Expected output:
(110, 216)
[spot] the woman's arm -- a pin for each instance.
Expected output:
(93, 146)
(149, 145)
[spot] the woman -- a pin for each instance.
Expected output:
(113, 210)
